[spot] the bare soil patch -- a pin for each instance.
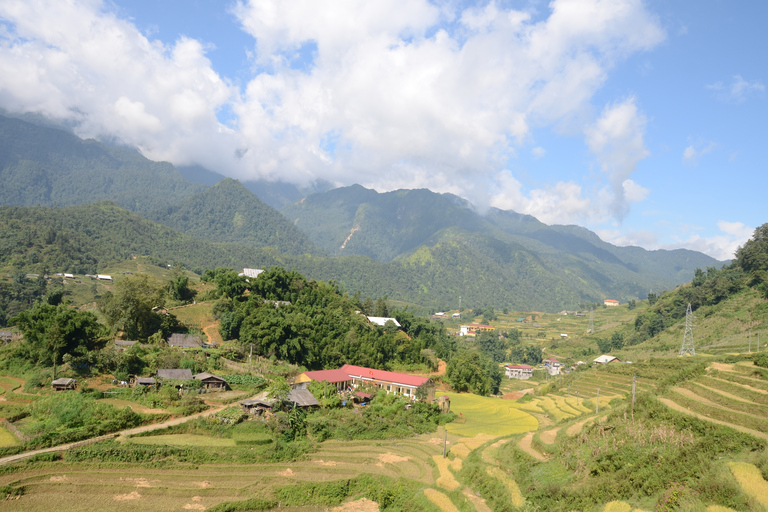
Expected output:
(361, 505)
(525, 445)
(477, 501)
(58, 479)
(548, 436)
(723, 367)
(127, 497)
(390, 457)
(287, 472)
(328, 463)
(194, 506)
(203, 485)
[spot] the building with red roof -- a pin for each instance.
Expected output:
(518, 371)
(351, 377)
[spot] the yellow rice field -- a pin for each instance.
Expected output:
(492, 416)
(751, 481)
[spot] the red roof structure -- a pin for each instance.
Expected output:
(384, 376)
(332, 376)
(520, 367)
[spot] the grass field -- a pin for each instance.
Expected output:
(183, 440)
(492, 416)
(7, 439)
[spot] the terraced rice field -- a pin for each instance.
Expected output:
(7, 439)
(586, 384)
(492, 416)
(128, 487)
(732, 395)
(751, 481)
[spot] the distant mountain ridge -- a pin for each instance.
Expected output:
(401, 225)
(416, 246)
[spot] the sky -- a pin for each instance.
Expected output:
(644, 121)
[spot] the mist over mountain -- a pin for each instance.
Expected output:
(415, 246)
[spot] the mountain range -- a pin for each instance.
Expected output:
(416, 246)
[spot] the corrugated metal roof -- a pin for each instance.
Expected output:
(177, 373)
(331, 376)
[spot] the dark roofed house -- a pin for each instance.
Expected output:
(185, 341)
(144, 381)
(302, 398)
(257, 405)
(6, 336)
(211, 381)
(178, 374)
(124, 344)
(63, 384)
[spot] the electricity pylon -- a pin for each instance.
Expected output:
(687, 346)
(591, 328)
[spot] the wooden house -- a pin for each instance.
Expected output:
(63, 384)
(211, 381)
(144, 381)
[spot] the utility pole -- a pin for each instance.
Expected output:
(250, 364)
(687, 346)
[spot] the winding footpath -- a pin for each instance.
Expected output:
(129, 432)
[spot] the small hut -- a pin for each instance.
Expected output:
(211, 381)
(63, 384)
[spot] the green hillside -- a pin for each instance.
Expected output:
(48, 166)
(228, 212)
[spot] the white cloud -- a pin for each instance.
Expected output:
(538, 152)
(720, 246)
(616, 139)
(693, 152)
(406, 91)
(561, 203)
(738, 91)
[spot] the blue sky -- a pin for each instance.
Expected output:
(642, 121)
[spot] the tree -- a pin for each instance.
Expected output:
(178, 287)
(604, 345)
(754, 254)
(130, 307)
(652, 298)
(617, 341)
(51, 332)
(632, 304)
(471, 371)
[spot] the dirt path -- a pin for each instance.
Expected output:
(525, 445)
(576, 428)
(679, 408)
(123, 433)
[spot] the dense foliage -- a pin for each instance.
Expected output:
(228, 212)
(312, 324)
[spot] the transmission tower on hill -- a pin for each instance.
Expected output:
(591, 328)
(687, 347)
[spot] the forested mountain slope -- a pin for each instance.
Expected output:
(228, 212)
(47, 166)
(395, 225)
